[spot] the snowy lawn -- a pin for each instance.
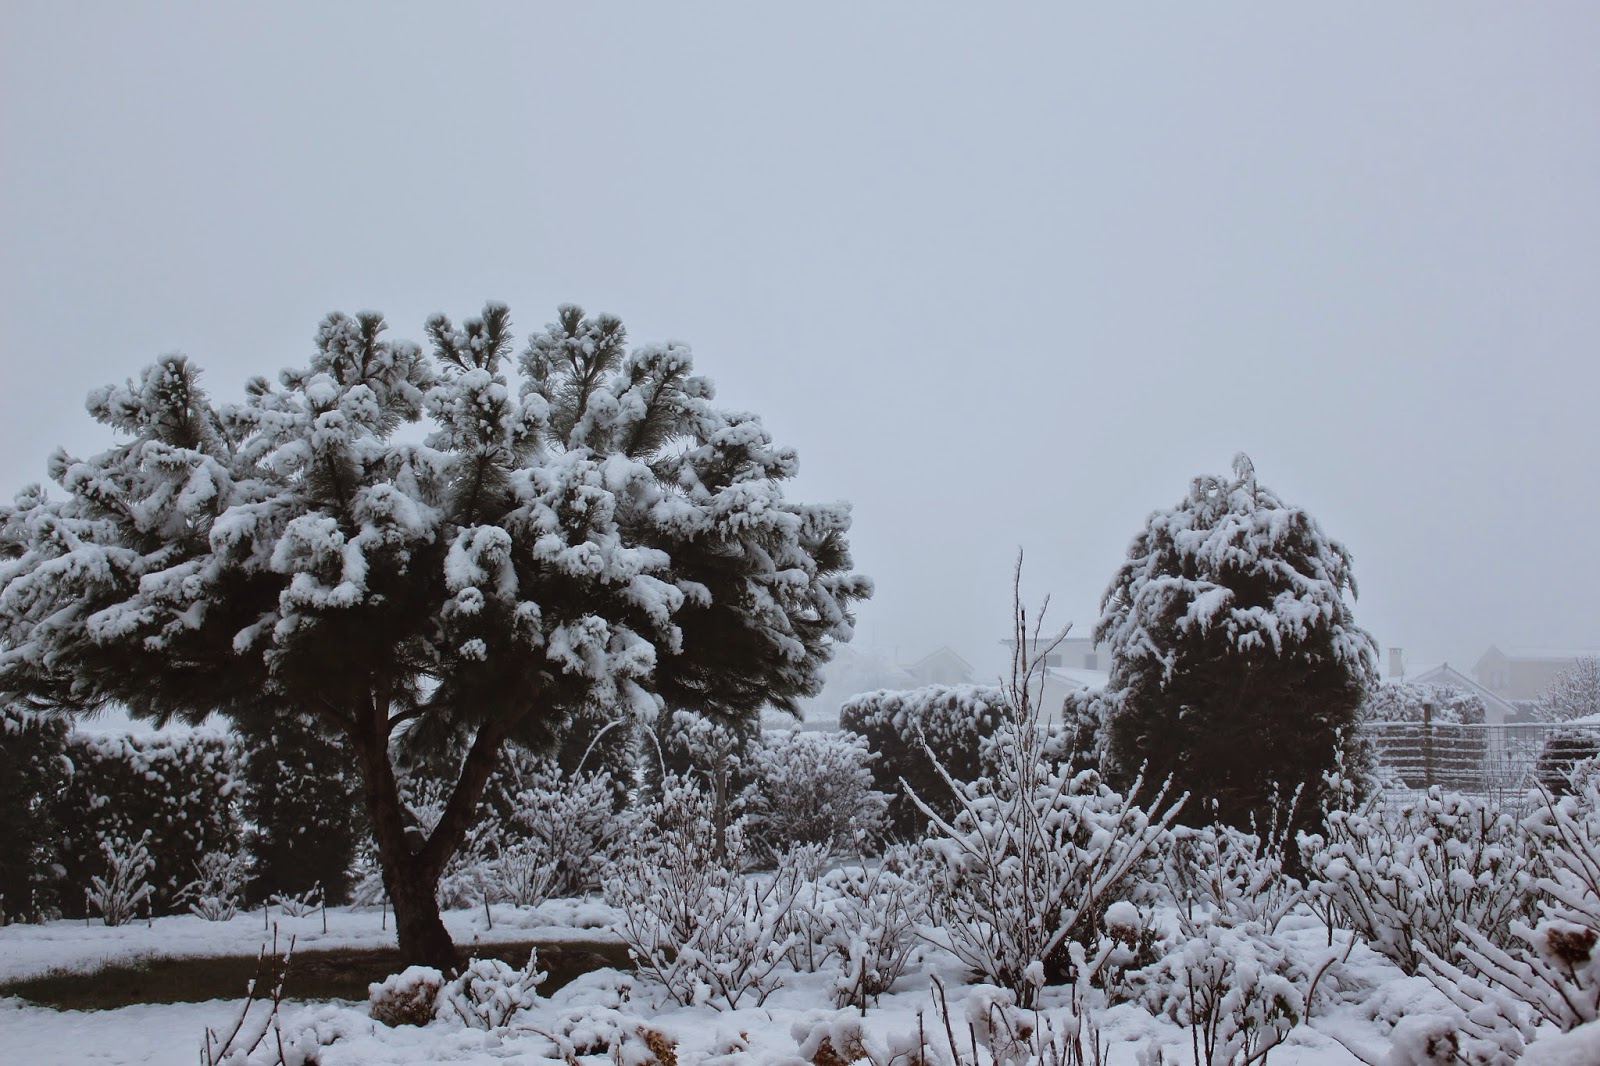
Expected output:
(1357, 1006)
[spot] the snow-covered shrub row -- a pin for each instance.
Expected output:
(34, 769)
(1405, 882)
(902, 728)
(180, 790)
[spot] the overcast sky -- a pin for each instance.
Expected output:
(1005, 276)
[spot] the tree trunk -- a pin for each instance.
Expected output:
(411, 873)
(412, 887)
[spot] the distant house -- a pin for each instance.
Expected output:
(1496, 710)
(941, 667)
(1524, 673)
(1073, 653)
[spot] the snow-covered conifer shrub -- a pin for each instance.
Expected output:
(218, 886)
(1566, 752)
(489, 992)
(410, 997)
(916, 733)
(1405, 881)
(34, 770)
(814, 788)
(695, 925)
(1237, 668)
(183, 789)
(125, 888)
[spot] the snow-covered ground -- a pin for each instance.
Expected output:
(1360, 1006)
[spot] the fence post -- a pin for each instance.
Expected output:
(1427, 744)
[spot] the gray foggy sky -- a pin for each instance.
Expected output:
(1003, 276)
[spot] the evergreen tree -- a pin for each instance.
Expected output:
(600, 535)
(1237, 667)
(34, 770)
(302, 796)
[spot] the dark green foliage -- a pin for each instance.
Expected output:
(302, 799)
(952, 721)
(1563, 750)
(591, 531)
(1237, 667)
(182, 789)
(34, 770)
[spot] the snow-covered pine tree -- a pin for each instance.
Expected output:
(602, 534)
(1236, 662)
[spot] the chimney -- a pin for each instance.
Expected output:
(1397, 666)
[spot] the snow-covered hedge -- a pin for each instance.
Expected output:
(182, 789)
(814, 788)
(902, 727)
(34, 769)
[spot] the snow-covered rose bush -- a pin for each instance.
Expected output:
(1405, 881)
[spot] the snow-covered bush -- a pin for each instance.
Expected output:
(693, 923)
(1237, 989)
(298, 904)
(1565, 753)
(489, 992)
(218, 886)
(1237, 667)
(563, 832)
(1404, 881)
(1550, 972)
(1226, 876)
(125, 886)
(1035, 854)
(914, 734)
(814, 788)
(410, 997)
(34, 770)
(868, 921)
(183, 789)
(260, 1038)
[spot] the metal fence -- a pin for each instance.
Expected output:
(1501, 761)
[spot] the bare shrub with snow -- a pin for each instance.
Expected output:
(1237, 989)
(1549, 971)
(693, 923)
(218, 887)
(1035, 855)
(815, 788)
(1226, 876)
(1404, 883)
(863, 922)
(489, 992)
(125, 887)
(564, 832)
